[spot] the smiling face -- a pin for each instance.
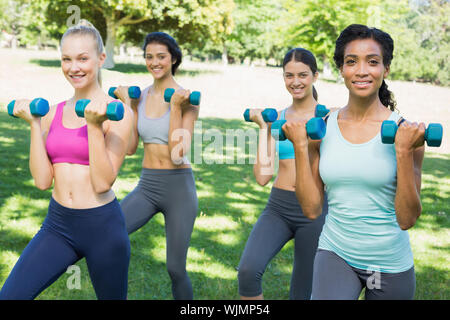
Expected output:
(80, 60)
(158, 60)
(299, 79)
(363, 69)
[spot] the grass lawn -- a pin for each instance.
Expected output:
(230, 202)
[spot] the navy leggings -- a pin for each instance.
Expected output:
(281, 221)
(172, 192)
(66, 236)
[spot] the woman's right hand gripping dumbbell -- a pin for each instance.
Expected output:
(295, 131)
(255, 115)
(123, 94)
(24, 109)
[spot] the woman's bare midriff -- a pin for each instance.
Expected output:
(73, 187)
(286, 175)
(157, 156)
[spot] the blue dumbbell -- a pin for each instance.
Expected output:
(133, 92)
(268, 114)
(315, 128)
(433, 133)
(194, 98)
(114, 110)
(321, 111)
(38, 107)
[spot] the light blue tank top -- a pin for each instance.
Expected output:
(361, 181)
(285, 148)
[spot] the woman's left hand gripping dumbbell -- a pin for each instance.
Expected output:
(180, 98)
(410, 135)
(99, 110)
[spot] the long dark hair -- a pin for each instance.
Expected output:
(172, 46)
(303, 56)
(359, 31)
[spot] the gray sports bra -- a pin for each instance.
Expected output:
(152, 130)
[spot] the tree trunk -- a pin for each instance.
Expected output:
(224, 54)
(110, 43)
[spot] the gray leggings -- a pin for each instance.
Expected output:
(281, 221)
(335, 279)
(173, 193)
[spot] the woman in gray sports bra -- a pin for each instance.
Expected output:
(167, 183)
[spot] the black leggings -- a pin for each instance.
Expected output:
(281, 221)
(173, 193)
(66, 236)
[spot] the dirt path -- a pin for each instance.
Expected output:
(226, 92)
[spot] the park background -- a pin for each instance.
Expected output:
(232, 54)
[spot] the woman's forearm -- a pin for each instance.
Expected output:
(40, 166)
(407, 198)
(134, 138)
(307, 190)
(263, 168)
(101, 169)
(179, 138)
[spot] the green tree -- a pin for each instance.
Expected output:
(131, 18)
(421, 33)
(316, 26)
(254, 21)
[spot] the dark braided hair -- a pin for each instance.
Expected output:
(359, 31)
(303, 56)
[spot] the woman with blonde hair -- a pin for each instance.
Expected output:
(82, 156)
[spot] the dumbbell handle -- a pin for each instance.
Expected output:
(433, 133)
(39, 107)
(315, 129)
(321, 111)
(268, 114)
(134, 92)
(194, 97)
(114, 110)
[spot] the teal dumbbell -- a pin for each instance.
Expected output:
(194, 97)
(268, 114)
(39, 107)
(315, 128)
(433, 133)
(133, 92)
(321, 111)
(114, 110)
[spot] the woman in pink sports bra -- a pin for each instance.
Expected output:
(83, 157)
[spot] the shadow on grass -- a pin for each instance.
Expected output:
(14, 162)
(435, 190)
(129, 68)
(431, 284)
(217, 186)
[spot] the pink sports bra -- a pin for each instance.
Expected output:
(66, 144)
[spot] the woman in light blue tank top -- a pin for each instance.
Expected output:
(167, 182)
(373, 189)
(282, 219)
